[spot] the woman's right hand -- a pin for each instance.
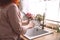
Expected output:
(25, 27)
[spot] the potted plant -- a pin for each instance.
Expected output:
(39, 17)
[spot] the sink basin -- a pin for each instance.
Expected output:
(37, 32)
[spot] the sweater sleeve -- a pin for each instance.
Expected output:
(14, 19)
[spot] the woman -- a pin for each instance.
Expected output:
(10, 22)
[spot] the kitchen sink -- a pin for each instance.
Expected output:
(37, 32)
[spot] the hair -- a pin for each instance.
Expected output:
(7, 2)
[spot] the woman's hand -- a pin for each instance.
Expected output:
(25, 22)
(25, 27)
(30, 25)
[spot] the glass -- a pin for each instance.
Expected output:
(36, 24)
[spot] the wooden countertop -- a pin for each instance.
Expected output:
(53, 36)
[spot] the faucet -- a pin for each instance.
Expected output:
(43, 21)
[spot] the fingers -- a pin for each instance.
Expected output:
(31, 24)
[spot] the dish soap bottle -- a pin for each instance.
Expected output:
(58, 28)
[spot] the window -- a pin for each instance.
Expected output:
(49, 7)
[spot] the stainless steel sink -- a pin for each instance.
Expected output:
(37, 32)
